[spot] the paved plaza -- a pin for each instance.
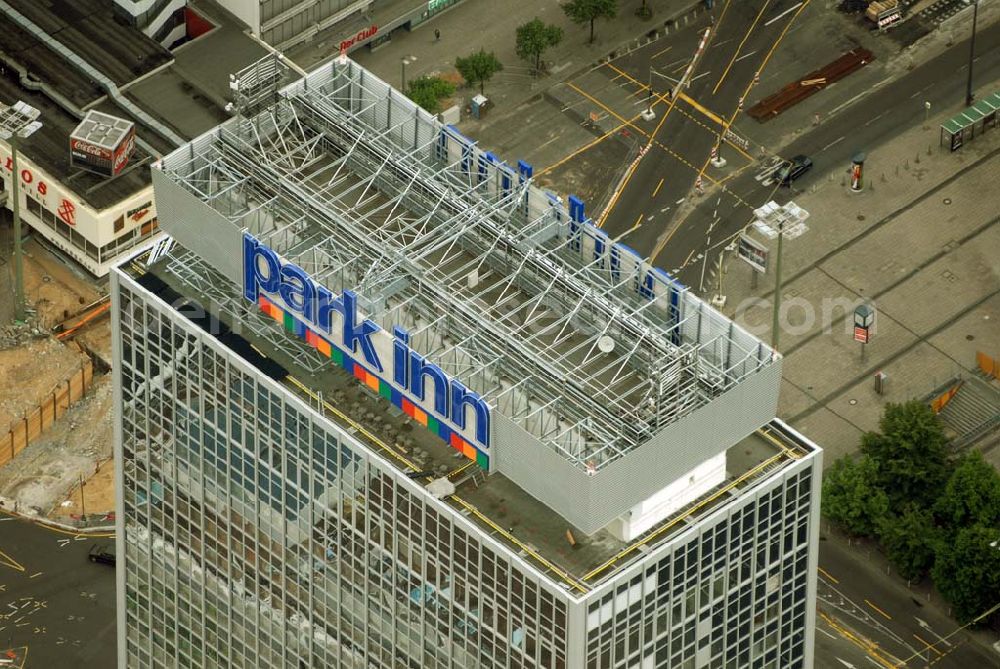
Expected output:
(920, 243)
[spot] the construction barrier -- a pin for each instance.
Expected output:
(939, 402)
(988, 365)
(33, 424)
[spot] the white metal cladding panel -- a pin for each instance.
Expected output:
(374, 93)
(427, 130)
(402, 120)
(196, 225)
(683, 445)
(591, 502)
(541, 472)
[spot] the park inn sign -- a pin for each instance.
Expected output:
(330, 323)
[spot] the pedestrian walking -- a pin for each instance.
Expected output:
(437, 35)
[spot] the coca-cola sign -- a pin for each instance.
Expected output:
(123, 153)
(86, 147)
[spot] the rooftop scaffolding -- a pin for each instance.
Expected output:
(574, 339)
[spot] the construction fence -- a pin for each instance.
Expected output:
(35, 422)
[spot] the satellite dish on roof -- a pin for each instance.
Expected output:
(605, 344)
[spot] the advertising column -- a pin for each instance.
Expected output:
(857, 166)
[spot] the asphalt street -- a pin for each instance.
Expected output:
(862, 126)
(57, 609)
(743, 38)
(857, 598)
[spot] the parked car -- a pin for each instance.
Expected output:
(103, 553)
(790, 170)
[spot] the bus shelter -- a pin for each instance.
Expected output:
(970, 122)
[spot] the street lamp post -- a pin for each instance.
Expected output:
(787, 219)
(406, 60)
(17, 122)
(775, 329)
(972, 52)
(15, 192)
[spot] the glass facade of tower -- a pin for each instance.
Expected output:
(255, 532)
(258, 535)
(734, 596)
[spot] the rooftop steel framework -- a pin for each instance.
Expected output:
(348, 179)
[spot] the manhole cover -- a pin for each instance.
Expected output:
(947, 200)
(861, 217)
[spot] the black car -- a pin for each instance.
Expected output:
(103, 553)
(790, 170)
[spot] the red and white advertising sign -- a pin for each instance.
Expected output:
(67, 212)
(361, 36)
(124, 152)
(90, 149)
(861, 334)
(28, 177)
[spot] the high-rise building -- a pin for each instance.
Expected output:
(389, 404)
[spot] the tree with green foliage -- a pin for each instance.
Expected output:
(967, 571)
(534, 37)
(851, 496)
(910, 453)
(478, 67)
(971, 496)
(429, 91)
(587, 11)
(910, 541)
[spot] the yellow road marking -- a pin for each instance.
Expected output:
(740, 47)
(827, 574)
(871, 648)
(767, 58)
(8, 561)
(623, 73)
(660, 53)
(918, 638)
(663, 243)
(586, 146)
(722, 17)
(651, 142)
(694, 103)
(950, 650)
(883, 613)
(657, 189)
